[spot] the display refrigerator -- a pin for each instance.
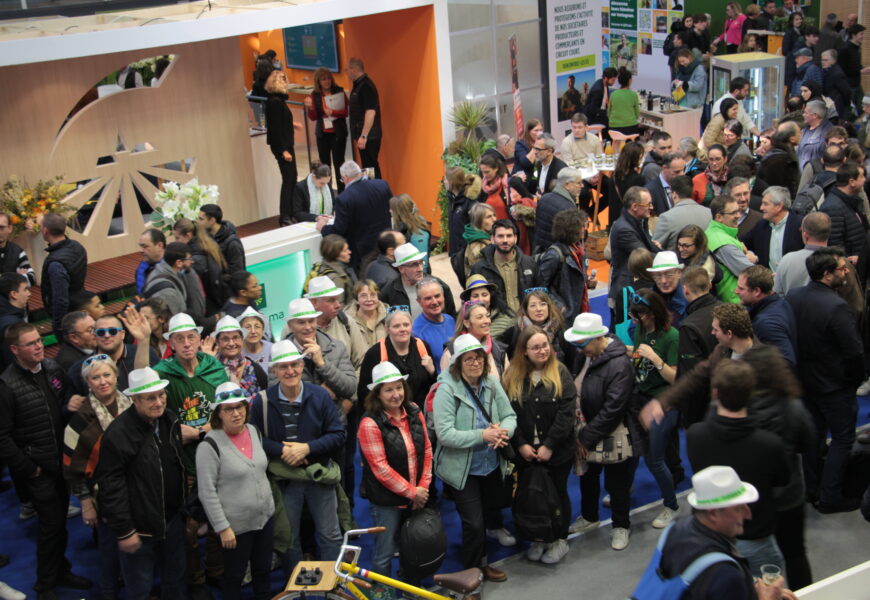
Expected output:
(765, 74)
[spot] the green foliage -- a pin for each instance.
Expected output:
(469, 116)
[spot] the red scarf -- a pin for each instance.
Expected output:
(495, 186)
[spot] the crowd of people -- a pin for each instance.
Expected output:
(737, 296)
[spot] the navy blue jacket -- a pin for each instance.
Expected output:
(757, 239)
(362, 212)
(773, 324)
(660, 200)
(847, 226)
(626, 234)
(829, 350)
(319, 424)
(549, 206)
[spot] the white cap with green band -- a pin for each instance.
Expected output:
(144, 381)
(665, 261)
(465, 343)
(720, 487)
(301, 308)
(225, 325)
(284, 351)
(385, 372)
(181, 322)
(586, 326)
(322, 287)
(408, 253)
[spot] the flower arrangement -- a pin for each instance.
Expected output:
(181, 202)
(27, 205)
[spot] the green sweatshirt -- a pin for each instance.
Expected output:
(190, 398)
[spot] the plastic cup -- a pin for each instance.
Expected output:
(770, 574)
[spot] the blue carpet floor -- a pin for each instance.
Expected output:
(18, 537)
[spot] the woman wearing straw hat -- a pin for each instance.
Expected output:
(81, 437)
(474, 419)
(235, 492)
(500, 316)
(396, 457)
(604, 379)
(226, 343)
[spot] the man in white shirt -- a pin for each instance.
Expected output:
(580, 144)
(738, 89)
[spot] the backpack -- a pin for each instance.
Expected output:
(422, 544)
(653, 587)
(457, 262)
(537, 509)
(810, 198)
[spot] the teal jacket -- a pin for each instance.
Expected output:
(454, 424)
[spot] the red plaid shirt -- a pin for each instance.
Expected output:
(371, 444)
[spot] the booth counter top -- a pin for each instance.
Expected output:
(680, 123)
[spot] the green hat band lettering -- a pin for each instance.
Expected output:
(303, 314)
(147, 386)
(182, 327)
(229, 328)
(413, 258)
(469, 349)
(325, 292)
(724, 498)
(667, 266)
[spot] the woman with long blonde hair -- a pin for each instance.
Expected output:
(541, 391)
(408, 220)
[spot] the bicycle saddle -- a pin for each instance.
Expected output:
(461, 582)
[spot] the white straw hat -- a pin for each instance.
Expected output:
(284, 351)
(385, 372)
(301, 308)
(407, 253)
(253, 312)
(720, 487)
(225, 325)
(144, 381)
(465, 343)
(181, 322)
(228, 393)
(665, 261)
(586, 326)
(322, 287)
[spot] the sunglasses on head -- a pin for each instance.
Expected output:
(226, 395)
(398, 307)
(638, 299)
(96, 357)
(107, 331)
(528, 291)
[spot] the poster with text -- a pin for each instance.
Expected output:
(575, 46)
(638, 29)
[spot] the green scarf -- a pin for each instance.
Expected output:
(473, 234)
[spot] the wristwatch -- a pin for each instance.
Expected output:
(661, 366)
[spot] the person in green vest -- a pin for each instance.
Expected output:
(193, 376)
(726, 248)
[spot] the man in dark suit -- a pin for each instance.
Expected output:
(738, 189)
(548, 166)
(599, 97)
(362, 211)
(778, 233)
(673, 165)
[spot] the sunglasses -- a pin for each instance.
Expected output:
(107, 331)
(583, 344)
(228, 394)
(96, 357)
(638, 299)
(528, 291)
(398, 307)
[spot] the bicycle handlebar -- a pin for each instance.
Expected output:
(379, 529)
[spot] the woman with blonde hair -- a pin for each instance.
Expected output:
(474, 319)
(541, 391)
(330, 127)
(477, 234)
(410, 223)
(367, 311)
(280, 138)
(208, 262)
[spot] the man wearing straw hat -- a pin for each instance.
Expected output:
(720, 505)
(326, 298)
(400, 291)
(143, 488)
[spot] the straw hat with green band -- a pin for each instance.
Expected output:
(720, 487)
(144, 381)
(476, 281)
(408, 253)
(301, 308)
(322, 287)
(181, 322)
(385, 372)
(665, 261)
(586, 326)
(253, 312)
(228, 393)
(284, 351)
(226, 325)
(465, 343)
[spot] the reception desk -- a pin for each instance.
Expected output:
(680, 123)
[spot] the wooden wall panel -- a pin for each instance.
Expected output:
(199, 112)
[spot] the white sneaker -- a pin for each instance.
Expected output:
(9, 593)
(581, 525)
(536, 551)
(555, 552)
(27, 511)
(605, 502)
(864, 388)
(503, 536)
(619, 538)
(664, 518)
(73, 511)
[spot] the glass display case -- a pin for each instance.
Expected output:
(765, 73)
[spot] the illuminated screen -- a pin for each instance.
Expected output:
(311, 46)
(282, 280)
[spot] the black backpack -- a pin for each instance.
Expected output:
(810, 198)
(422, 544)
(537, 508)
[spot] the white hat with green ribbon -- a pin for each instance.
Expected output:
(228, 393)
(408, 253)
(465, 343)
(301, 308)
(586, 326)
(665, 261)
(322, 287)
(385, 372)
(144, 381)
(181, 322)
(284, 351)
(720, 487)
(225, 325)
(253, 312)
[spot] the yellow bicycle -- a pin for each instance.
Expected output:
(342, 580)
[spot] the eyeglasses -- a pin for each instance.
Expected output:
(473, 359)
(528, 291)
(671, 274)
(685, 246)
(540, 149)
(94, 358)
(226, 395)
(232, 409)
(538, 348)
(34, 343)
(365, 297)
(398, 307)
(107, 331)
(85, 330)
(730, 212)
